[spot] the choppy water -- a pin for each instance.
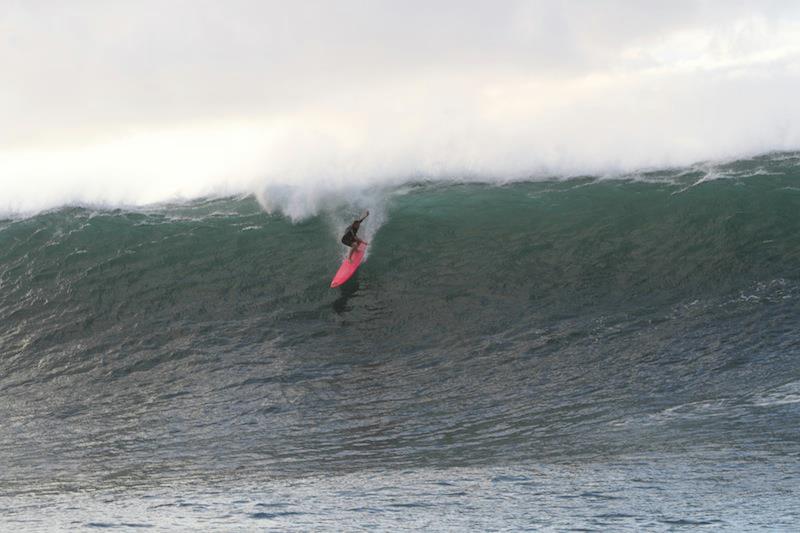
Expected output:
(583, 353)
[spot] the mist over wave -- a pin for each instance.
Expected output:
(304, 108)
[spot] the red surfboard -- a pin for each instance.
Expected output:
(349, 266)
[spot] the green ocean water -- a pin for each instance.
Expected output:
(522, 327)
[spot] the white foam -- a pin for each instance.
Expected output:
(786, 394)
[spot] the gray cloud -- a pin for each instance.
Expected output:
(68, 64)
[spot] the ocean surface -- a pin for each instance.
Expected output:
(584, 353)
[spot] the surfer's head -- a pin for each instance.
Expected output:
(356, 224)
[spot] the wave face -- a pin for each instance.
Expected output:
(551, 321)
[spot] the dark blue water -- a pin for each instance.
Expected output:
(583, 353)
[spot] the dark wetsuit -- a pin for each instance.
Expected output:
(350, 236)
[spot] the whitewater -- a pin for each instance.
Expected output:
(614, 351)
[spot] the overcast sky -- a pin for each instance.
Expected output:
(114, 101)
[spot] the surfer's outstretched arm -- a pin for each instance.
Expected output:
(366, 214)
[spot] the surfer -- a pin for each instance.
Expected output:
(350, 237)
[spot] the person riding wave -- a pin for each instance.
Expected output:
(350, 237)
